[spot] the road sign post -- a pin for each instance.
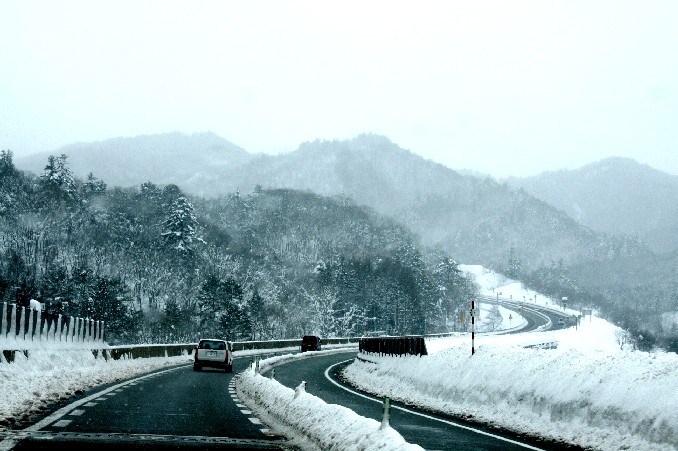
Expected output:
(473, 327)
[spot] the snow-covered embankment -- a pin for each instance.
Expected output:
(309, 421)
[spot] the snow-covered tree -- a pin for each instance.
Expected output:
(93, 186)
(180, 227)
(57, 180)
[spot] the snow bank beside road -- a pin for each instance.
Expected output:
(55, 374)
(587, 392)
(620, 401)
(313, 423)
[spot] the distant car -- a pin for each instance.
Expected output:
(213, 353)
(310, 343)
(561, 322)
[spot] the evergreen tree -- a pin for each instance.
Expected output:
(93, 186)
(57, 180)
(515, 265)
(180, 227)
(14, 189)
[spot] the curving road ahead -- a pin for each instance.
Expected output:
(177, 408)
(429, 430)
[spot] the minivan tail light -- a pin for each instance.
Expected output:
(196, 354)
(226, 357)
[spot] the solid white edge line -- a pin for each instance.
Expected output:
(9, 443)
(461, 426)
(67, 409)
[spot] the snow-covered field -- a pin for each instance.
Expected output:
(588, 391)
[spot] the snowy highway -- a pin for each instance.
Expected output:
(430, 431)
(169, 409)
(177, 408)
(160, 403)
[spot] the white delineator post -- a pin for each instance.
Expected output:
(386, 412)
(473, 327)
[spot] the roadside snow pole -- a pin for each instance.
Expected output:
(12, 323)
(22, 319)
(386, 413)
(3, 321)
(473, 327)
(29, 332)
(301, 389)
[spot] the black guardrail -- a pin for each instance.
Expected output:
(135, 352)
(393, 345)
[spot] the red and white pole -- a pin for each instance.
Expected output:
(473, 327)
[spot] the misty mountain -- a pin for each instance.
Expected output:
(616, 196)
(477, 220)
(173, 158)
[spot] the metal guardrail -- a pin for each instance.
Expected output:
(174, 350)
(550, 344)
(393, 345)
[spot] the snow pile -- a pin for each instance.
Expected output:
(314, 423)
(53, 374)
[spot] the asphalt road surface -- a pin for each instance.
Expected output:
(170, 409)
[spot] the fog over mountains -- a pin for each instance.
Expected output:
(477, 220)
(615, 195)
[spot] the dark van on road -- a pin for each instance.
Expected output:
(310, 343)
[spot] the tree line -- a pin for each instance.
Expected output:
(161, 266)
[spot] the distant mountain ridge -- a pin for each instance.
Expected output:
(615, 195)
(476, 219)
(189, 161)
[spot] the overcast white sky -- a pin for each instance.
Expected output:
(501, 87)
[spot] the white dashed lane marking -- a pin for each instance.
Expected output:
(77, 412)
(245, 411)
(61, 423)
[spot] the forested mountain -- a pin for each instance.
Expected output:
(476, 220)
(617, 196)
(471, 219)
(157, 264)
